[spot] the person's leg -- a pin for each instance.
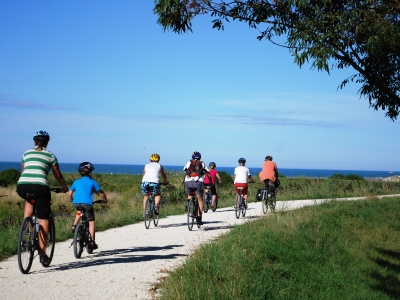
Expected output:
(145, 197)
(92, 230)
(28, 209)
(43, 232)
(157, 200)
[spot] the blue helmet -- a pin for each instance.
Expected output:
(41, 135)
(196, 155)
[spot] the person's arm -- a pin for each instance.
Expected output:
(144, 171)
(103, 196)
(164, 176)
(219, 177)
(59, 177)
(70, 193)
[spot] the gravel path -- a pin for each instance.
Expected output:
(129, 260)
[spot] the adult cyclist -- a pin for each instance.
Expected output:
(241, 175)
(151, 181)
(269, 172)
(36, 165)
(195, 169)
(210, 180)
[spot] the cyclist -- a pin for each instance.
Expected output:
(150, 181)
(36, 165)
(210, 180)
(241, 174)
(195, 169)
(269, 172)
(81, 195)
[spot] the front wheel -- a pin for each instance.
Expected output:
(26, 245)
(50, 242)
(78, 241)
(237, 206)
(191, 214)
(215, 206)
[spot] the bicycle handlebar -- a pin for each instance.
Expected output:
(56, 190)
(98, 201)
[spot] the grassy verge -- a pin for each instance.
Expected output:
(338, 250)
(125, 201)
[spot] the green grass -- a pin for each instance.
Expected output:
(338, 250)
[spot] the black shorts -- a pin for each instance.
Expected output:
(212, 189)
(87, 208)
(42, 201)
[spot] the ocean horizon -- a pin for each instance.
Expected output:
(138, 169)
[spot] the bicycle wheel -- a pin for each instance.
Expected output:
(214, 208)
(205, 202)
(190, 214)
(147, 213)
(197, 210)
(88, 240)
(79, 242)
(50, 242)
(237, 206)
(25, 245)
(272, 204)
(264, 202)
(243, 208)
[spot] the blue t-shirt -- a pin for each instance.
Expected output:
(84, 189)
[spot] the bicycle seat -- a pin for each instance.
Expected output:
(192, 191)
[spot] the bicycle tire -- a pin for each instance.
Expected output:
(264, 202)
(78, 241)
(214, 208)
(156, 218)
(50, 242)
(26, 245)
(190, 215)
(237, 206)
(272, 204)
(88, 240)
(243, 208)
(197, 210)
(205, 202)
(147, 213)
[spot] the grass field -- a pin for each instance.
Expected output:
(334, 251)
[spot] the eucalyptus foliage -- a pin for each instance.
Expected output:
(360, 34)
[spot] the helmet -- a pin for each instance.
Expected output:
(242, 160)
(155, 157)
(41, 135)
(196, 155)
(268, 157)
(212, 164)
(85, 168)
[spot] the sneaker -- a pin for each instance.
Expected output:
(156, 212)
(199, 220)
(93, 246)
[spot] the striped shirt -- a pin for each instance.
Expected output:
(37, 165)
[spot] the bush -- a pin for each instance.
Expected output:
(353, 177)
(337, 176)
(9, 177)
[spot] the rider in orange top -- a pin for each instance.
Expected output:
(269, 171)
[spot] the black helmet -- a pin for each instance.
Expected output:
(212, 164)
(85, 168)
(242, 160)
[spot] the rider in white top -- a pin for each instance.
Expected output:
(241, 175)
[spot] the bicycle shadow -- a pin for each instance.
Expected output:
(116, 256)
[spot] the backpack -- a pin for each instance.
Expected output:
(195, 169)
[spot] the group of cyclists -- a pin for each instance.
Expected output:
(37, 163)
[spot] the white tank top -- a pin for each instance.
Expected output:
(152, 173)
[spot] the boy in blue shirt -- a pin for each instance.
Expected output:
(81, 195)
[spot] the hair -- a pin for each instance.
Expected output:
(40, 143)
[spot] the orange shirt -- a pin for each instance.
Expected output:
(268, 170)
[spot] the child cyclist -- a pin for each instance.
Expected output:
(81, 196)
(210, 180)
(150, 181)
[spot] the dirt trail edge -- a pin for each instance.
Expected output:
(129, 260)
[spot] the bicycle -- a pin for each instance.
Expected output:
(240, 207)
(82, 237)
(207, 196)
(192, 210)
(149, 213)
(268, 199)
(28, 238)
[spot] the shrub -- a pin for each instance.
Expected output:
(353, 177)
(9, 177)
(337, 176)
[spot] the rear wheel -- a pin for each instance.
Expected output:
(147, 214)
(78, 241)
(264, 202)
(272, 204)
(50, 242)
(243, 209)
(156, 217)
(191, 214)
(237, 206)
(88, 241)
(205, 202)
(25, 245)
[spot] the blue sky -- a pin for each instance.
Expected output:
(110, 86)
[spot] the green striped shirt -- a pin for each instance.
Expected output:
(37, 165)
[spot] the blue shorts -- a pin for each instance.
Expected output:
(150, 188)
(194, 187)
